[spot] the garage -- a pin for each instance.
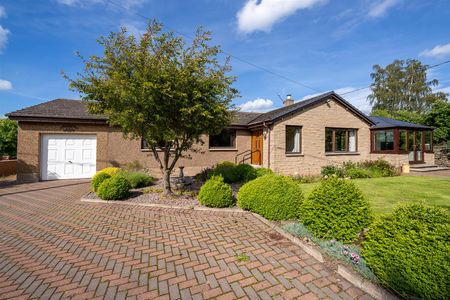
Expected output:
(68, 156)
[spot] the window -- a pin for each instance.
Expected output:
(428, 141)
(226, 139)
(383, 140)
(402, 140)
(340, 140)
(293, 139)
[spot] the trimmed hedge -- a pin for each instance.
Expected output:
(228, 171)
(111, 171)
(409, 251)
(138, 179)
(216, 193)
(98, 179)
(257, 172)
(273, 197)
(336, 209)
(114, 188)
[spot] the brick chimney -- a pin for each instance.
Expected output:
(288, 101)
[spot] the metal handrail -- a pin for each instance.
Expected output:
(236, 157)
(247, 155)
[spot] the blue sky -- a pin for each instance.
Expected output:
(323, 44)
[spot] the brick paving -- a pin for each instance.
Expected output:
(54, 246)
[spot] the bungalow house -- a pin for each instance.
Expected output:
(59, 139)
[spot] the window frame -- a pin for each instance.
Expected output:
(300, 142)
(431, 141)
(347, 140)
(234, 141)
(395, 141)
(397, 149)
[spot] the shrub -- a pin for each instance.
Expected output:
(409, 251)
(204, 175)
(98, 179)
(243, 172)
(216, 193)
(273, 197)
(228, 171)
(331, 170)
(336, 209)
(111, 171)
(257, 172)
(138, 179)
(114, 188)
(358, 173)
(379, 167)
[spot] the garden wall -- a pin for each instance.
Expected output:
(8, 167)
(442, 156)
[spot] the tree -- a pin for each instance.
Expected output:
(439, 117)
(403, 86)
(402, 115)
(8, 137)
(160, 89)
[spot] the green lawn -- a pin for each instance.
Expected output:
(384, 193)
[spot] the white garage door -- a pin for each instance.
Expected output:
(68, 156)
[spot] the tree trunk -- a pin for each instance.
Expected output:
(167, 187)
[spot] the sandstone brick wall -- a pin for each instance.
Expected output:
(8, 167)
(313, 156)
(113, 149)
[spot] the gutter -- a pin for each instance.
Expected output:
(268, 144)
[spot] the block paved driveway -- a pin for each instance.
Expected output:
(54, 246)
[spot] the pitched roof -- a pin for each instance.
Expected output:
(76, 110)
(382, 122)
(59, 109)
(276, 114)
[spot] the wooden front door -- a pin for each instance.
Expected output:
(415, 147)
(257, 147)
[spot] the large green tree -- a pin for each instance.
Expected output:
(8, 137)
(403, 86)
(439, 118)
(159, 88)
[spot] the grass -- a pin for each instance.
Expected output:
(384, 193)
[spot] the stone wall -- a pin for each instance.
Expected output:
(442, 156)
(8, 167)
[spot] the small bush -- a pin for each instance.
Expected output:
(98, 179)
(380, 167)
(228, 171)
(331, 170)
(216, 193)
(358, 173)
(409, 251)
(204, 175)
(273, 197)
(307, 178)
(114, 188)
(257, 172)
(111, 171)
(138, 179)
(243, 171)
(336, 210)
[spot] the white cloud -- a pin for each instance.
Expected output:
(357, 98)
(2, 12)
(257, 105)
(3, 37)
(5, 85)
(261, 15)
(380, 8)
(438, 51)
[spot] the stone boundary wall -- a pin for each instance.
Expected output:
(442, 156)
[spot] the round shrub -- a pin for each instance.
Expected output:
(273, 197)
(243, 171)
(336, 209)
(409, 251)
(138, 179)
(111, 171)
(114, 188)
(216, 193)
(98, 179)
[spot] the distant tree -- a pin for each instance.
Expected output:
(403, 86)
(439, 117)
(402, 115)
(159, 89)
(8, 137)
